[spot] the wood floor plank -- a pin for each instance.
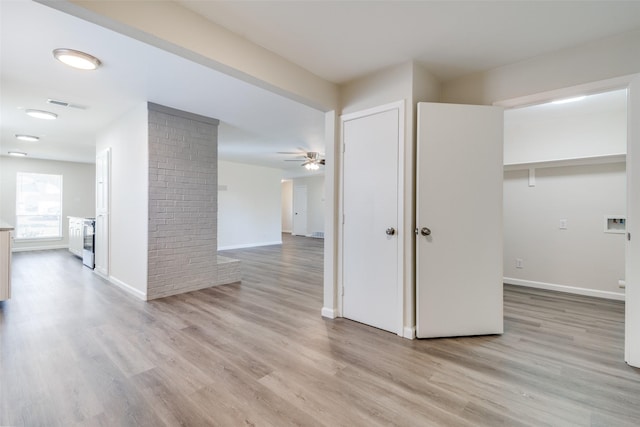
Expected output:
(77, 351)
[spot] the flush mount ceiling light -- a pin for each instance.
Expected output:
(28, 138)
(41, 114)
(17, 153)
(77, 59)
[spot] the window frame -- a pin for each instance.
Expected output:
(18, 214)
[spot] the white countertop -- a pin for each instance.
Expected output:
(5, 227)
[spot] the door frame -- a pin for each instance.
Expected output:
(622, 82)
(401, 232)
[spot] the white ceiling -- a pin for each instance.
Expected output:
(255, 123)
(342, 40)
(337, 40)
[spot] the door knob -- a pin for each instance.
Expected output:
(390, 231)
(425, 231)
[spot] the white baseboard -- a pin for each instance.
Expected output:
(329, 313)
(409, 332)
(38, 248)
(127, 288)
(249, 245)
(564, 288)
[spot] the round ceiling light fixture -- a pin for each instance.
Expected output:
(77, 59)
(41, 114)
(28, 138)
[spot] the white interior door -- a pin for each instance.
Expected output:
(632, 273)
(300, 210)
(459, 218)
(371, 217)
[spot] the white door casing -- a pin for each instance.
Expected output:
(300, 210)
(459, 200)
(632, 268)
(103, 176)
(371, 229)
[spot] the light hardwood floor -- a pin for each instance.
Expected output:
(77, 351)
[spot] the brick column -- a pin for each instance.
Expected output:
(183, 193)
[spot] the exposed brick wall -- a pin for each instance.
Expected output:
(183, 190)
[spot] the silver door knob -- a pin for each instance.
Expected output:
(425, 231)
(390, 231)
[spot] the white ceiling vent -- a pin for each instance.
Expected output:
(66, 104)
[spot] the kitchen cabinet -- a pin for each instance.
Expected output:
(75, 235)
(5, 262)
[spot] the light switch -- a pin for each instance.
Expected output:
(563, 224)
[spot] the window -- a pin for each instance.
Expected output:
(38, 206)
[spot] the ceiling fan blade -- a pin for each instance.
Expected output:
(294, 160)
(302, 153)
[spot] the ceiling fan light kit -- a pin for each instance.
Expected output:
(311, 159)
(312, 166)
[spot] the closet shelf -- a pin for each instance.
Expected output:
(580, 161)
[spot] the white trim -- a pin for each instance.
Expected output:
(38, 248)
(38, 239)
(331, 206)
(329, 313)
(409, 333)
(339, 288)
(127, 288)
(249, 245)
(564, 288)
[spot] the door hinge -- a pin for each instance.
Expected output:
(344, 147)
(342, 291)
(343, 219)
(629, 236)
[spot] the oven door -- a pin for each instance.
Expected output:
(88, 235)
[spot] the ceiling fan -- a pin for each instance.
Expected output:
(311, 159)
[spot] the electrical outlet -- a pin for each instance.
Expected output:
(563, 224)
(519, 263)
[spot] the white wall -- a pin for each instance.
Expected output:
(287, 206)
(600, 60)
(315, 202)
(78, 193)
(583, 256)
(249, 205)
(129, 195)
(595, 126)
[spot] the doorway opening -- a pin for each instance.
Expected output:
(564, 184)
